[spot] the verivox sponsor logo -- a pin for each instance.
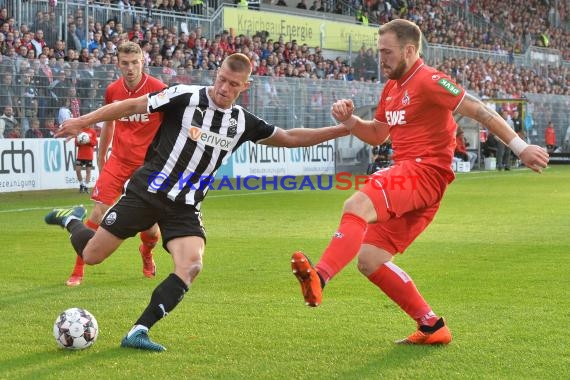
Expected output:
(340, 181)
(211, 138)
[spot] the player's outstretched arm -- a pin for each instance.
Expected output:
(299, 137)
(72, 127)
(371, 132)
(532, 156)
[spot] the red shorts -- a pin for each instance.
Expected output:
(406, 197)
(111, 181)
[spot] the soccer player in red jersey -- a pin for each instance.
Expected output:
(84, 159)
(382, 219)
(130, 141)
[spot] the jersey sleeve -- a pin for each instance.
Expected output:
(256, 129)
(443, 91)
(261, 130)
(172, 96)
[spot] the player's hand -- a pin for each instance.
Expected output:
(535, 158)
(70, 128)
(342, 109)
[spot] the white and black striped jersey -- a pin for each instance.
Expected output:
(194, 139)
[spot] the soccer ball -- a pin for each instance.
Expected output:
(75, 329)
(83, 138)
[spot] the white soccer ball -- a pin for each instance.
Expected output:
(83, 138)
(75, 329)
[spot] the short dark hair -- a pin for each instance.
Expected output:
(406, 32)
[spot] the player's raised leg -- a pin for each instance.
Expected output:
(342, 248)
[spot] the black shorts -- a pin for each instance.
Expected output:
(135, 212)
(84, 163)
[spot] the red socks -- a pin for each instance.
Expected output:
(343, 247)
(397, 285)
(91, 225)
(148, 243)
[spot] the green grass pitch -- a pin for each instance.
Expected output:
(495, 262)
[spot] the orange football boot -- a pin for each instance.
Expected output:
(308, 278)
(427, 335)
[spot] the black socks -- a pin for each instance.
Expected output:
(164, 299)
(80, 235)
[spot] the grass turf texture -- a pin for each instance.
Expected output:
(494, 262)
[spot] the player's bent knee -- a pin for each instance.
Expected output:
(366, 268)
(359, 204)
(369, 263)
(194, 270)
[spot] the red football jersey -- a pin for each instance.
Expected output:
(85, 152)
(134, 133)
(419, 110)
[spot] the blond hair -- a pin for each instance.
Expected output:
(129, 47)
(238, 62)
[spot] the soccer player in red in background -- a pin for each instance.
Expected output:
(416, 111)
(130, 142)
(84, 159)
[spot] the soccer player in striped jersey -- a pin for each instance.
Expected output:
(383, 218)
(201, 128)
(130, 137)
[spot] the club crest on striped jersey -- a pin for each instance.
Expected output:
(232, 129)
(210, 138)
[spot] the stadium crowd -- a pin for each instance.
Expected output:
(43, 77)
(508, 27)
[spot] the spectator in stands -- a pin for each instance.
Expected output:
(64, 111)
(381, 157)
(8, 92)
(34, 131)
(3, 15)
(503, 151)
(73, 40)
(50, 128)
(461, 152)
(81, 31)
(302, 4)
(550, 137)
(96, 42)
(8, 122)
(489, 146)
(38, 42)
(15, 133)
(47, 25)
(518, 124)
(28, 99)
